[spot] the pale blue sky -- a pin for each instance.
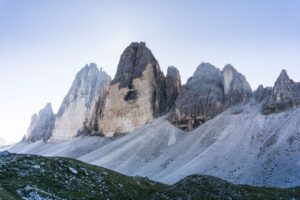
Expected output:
(43, 43)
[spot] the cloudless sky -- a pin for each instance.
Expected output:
(44, 43)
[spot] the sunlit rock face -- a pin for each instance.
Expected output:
(89, 86)
(285, 95)
(136, 95)
(236, 87)
(41, 125)
(200, 99)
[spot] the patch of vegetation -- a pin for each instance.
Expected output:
(36, 177)
(200, 187)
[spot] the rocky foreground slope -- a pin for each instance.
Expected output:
(33, 177)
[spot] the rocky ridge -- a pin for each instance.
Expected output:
(140, 92)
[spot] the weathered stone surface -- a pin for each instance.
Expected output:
(262, 93)
(173, 86)
(137, 93)
(285, 95)
(88, 88)
(200, 99)
(41, 125)
(236, 87)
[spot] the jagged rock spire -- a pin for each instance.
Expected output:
(262, 93)
(285, 95)
(41, 125)
(173, 86)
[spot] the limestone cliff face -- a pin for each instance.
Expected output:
(89, 86)
(41, 125)
(236, 87)
(136, 95)
(200, 99)
(173, 86)
(285, 95)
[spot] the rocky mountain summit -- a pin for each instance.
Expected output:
(88, 88)
(207, 93)
(285, 95)
(136, 95)
(41, 125)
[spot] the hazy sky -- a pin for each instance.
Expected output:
(44, 43)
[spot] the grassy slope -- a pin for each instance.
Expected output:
(200, 187)
(56, 178)
(36, 177)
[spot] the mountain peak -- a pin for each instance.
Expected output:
(133, 63)
(137, 92)
(206, 67)
(283, 78)
(41, 125)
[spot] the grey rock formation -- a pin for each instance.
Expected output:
(262, 93)
(137, 93)
(173, 86)
(41, 125)
(78, 107)
(236, 87)
(285, 95)
(200, 99)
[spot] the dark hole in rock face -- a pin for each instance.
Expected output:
(131, 95)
